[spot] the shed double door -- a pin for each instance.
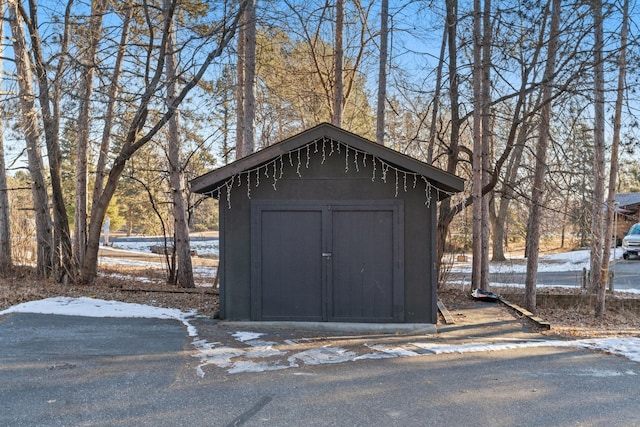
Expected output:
(327, 262)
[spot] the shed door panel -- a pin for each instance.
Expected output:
(362, 279)
(315, 261)
(291, 265)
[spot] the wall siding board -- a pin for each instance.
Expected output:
(322, 183)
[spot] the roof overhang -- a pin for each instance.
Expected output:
(211, 182)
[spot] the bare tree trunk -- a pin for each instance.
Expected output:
(597, 237)
(30, 126)
(134, 140)
(537, 192)
(6, 262)
(486, 139)
(436, 97)
(184, 273)
(446, 213)
(613, 169)
(240, 91)
(338, 85)
(87, 63)
(228, 92)
(506, 195)
(49, 96)
(477, 159)
(248, 140)
(112, 95)
(382, 72)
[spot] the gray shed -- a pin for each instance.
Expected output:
(328, 226)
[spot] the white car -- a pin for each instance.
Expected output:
(631, 242)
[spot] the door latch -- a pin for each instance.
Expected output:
(326, 254)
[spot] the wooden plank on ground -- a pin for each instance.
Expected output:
(542, 324)
(448, 318)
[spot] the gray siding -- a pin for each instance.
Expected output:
(325, 183)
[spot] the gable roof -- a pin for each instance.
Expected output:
(628, 200)
(211, 182)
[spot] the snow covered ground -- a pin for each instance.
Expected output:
(199, 271)
(207, 246)
(252, 353)
(573, 262)
(566, 261)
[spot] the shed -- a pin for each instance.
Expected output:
(328, 226)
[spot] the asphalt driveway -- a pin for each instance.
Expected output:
(65, 370)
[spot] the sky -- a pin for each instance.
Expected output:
(251, 354)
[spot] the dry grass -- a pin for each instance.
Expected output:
(573, 319)
(142, 286)
(147, 286)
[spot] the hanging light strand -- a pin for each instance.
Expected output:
(270, 170)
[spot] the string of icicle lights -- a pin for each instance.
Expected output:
(273, 171)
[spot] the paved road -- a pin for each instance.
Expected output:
(61, 371)
(626, 276)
